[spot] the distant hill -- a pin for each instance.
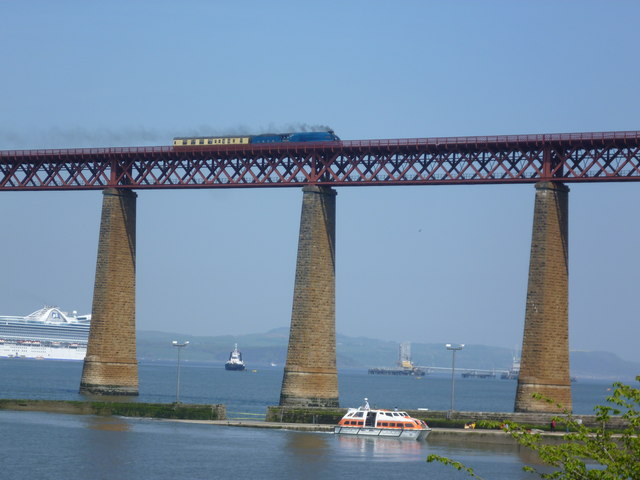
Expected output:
(262, 349)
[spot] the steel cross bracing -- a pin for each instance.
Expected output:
(578, 157)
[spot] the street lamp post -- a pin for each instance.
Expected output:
(180, 346)
(454, 349)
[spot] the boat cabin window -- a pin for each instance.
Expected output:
(358, 414)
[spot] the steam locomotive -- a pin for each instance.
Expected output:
(328, 136)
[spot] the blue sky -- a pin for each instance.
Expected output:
(427, 264)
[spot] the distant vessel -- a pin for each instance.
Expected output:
(478, 374)
(48, 333)
(405, 365)
(415, 371)
(513, 372)
(363, 421)
(235, 360)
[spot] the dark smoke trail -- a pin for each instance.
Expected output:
(80, 137)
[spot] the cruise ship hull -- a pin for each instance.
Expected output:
(42, 352)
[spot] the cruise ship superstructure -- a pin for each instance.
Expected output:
(48, 333)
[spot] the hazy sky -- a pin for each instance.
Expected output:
(426, 264)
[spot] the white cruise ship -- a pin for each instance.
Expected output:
(48, 333)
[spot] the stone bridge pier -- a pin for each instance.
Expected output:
(110, 366)
(544, 365)
(310, 375)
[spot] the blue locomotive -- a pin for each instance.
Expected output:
(327, 136)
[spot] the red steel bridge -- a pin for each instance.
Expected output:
(573, 157)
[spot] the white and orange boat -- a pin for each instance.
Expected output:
(381, 423)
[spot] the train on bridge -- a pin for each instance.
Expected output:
(294, 137)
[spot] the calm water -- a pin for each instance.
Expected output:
(39, 445)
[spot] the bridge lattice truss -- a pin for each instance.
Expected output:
(607, 156)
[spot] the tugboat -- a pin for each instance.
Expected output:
(381, 423)
(235, 360)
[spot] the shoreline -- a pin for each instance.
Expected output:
(215, 415)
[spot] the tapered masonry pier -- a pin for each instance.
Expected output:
(310, 375)
(110, 366)
(544, 366)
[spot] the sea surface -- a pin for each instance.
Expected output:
(44, 445)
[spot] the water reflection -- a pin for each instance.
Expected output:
(107, 424)
(379, 448)
(308, 447)
(478, 445)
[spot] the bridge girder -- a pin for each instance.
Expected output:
(582, 157)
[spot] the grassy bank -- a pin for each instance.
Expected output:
(439, 419)
(124, 409)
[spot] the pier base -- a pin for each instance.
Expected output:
(110, 366)
(310, 374)
(544, 366)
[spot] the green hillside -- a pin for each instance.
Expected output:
(262, 349)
